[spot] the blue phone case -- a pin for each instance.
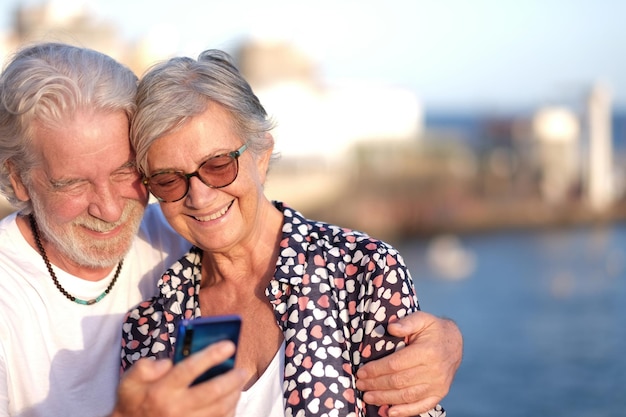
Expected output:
(195, 334)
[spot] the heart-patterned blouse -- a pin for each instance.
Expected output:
(333, 293)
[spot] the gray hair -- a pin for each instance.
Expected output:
(48, 83)
(175, 90)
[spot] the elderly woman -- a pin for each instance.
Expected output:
(315, 299)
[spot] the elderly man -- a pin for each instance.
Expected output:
(83, 247)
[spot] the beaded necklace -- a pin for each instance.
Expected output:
(42, 251)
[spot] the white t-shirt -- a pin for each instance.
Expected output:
(265, 397)
(60, 358)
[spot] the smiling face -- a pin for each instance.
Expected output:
(87, 195)
(215, 219)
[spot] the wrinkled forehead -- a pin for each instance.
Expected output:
(85, 137)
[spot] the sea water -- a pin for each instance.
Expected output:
(543, 314)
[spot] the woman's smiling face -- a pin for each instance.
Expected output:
(215, 219)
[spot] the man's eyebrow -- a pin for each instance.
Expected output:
(64, 182)
(129, 164)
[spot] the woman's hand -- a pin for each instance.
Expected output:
(160, 389)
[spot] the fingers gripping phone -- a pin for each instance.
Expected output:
(196, 334)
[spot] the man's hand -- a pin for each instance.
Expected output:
(160, 389)
(414, 379)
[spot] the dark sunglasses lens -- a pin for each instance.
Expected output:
(168, 186)
(219, 171)
(216, 172)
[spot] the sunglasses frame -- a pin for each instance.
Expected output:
(187, 177)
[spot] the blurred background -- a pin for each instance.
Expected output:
(484, 139)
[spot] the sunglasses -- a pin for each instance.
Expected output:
(216, 172)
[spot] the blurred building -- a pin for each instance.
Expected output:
(317, 121)
(321, 129)
(599, 179)
(557, 134)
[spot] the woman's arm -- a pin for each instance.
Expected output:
(391, 296)
(418, 377)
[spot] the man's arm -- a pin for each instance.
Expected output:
(416, 378)
(157, 388)
(4, 389)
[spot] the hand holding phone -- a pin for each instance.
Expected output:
(196, 334)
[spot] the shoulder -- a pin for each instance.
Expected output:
(149, 327)
(153, 218)
(16, 255)
(337, 241)
(174, 286)
(157, 231)
(8, 224)
(337, 236)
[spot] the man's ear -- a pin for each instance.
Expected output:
(20, 189)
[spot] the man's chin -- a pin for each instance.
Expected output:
(91, 258)
(109, 252)
(92, 252)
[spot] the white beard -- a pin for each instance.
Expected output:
(80, 248)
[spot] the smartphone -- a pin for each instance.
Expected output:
(195, 334)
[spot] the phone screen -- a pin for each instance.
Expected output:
(196, 334)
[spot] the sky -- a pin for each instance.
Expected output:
(493, 54)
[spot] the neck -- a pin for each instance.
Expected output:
(250, 263)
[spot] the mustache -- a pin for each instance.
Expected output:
(102, 226)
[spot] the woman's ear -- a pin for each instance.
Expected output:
(263, 162)
(20, 189)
